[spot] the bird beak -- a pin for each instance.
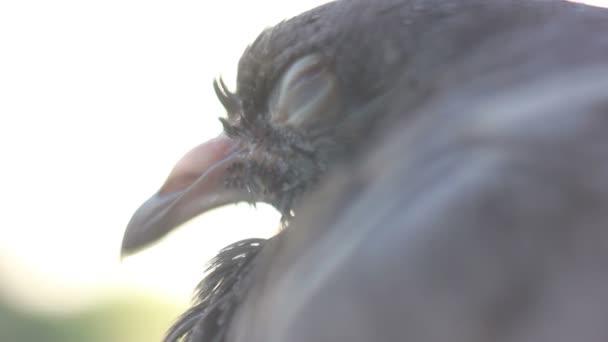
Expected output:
(195, 185)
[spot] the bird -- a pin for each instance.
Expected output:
(438, 166)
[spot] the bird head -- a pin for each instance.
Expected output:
(301, 89)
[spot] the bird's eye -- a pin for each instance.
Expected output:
(306, 90)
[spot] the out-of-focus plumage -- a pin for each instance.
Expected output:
(444, 160)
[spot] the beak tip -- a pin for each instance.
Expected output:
(150, 222)
(140, 233)
(129, 245)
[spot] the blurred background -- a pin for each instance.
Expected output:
(98, 100)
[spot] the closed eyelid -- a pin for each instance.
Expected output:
(305, 90)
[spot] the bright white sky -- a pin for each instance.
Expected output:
(98, 99)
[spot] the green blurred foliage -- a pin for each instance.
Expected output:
(133, 319)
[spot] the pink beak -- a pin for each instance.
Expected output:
(195, 185)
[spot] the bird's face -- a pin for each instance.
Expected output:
(295, 113)
(272, 150)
